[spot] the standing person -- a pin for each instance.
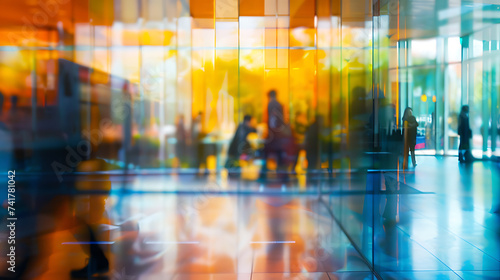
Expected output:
(239, 145)
(465, 134)
(312, 144)
(181, 139)
(278, 136)
(410, 125)
(196, 140)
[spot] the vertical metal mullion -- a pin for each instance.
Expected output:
(409, 79)
(470, 72)
(494, 92)
(238, 95)
(446, 104)
(439, 83)
(330, 91)
(91, 68)
(484, 95)
(162, 102)
(374, 77)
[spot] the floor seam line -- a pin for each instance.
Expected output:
(409, 236)
(363, 257)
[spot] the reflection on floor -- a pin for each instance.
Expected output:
(433, 223)
(438, 222)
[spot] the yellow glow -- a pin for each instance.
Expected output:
(423, 98)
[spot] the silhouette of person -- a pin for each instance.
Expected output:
(90, 212)
(278, 138)
(387, 123)
(181, 138)
(87, 222)
(18, 126)
(196, 137)
(410, 125)
(312, 144)
(465, 134)
(240, 145)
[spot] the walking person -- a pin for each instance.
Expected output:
(465, 134)
(410, 125)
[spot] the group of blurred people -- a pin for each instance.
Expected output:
(410, 125)
(278, 142)
(281, 143)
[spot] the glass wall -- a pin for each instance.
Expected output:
(175, 78)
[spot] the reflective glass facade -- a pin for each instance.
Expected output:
(251, 139)
(161, 61)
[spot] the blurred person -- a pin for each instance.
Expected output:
(278, 142)
(5, 139)
(357, 127)
(90, 211)
(357, 110)
(465, 134)
(18, 124)
(312, 144)
(491, 133)
(181, 139)
(43, 203)
(410, 125)
(301, 124)
(196, 137)
(299, 132)
(239, 145)
(90, 214)
(387, 123)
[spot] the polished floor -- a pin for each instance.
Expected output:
(435, 222)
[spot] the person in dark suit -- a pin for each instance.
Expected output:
(410, 125)
(240, 145)
(465, 134)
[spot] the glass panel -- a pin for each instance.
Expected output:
(453, 74)
(423, 52)
(454, 51)
(475, 108)
(424, 106)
